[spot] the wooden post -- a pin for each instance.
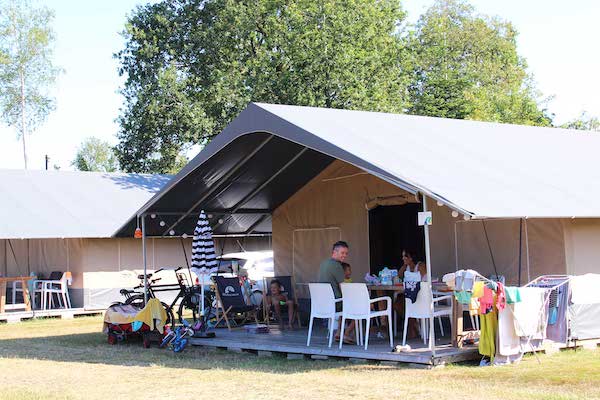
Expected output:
(2, 295)
(457, 323)
(26, 298)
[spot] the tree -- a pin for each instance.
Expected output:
(466, 66)
(192, 65)
(26, 69)
(96, 155)
(584, 122)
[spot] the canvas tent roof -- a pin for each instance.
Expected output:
(60, 204)
(486, 170)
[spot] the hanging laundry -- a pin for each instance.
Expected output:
(463, 297)
(513, 294)
(464, 279)
(558, 292)
(487, 338)
(553, 304)
(411, 290)
(509, 343)
(531, 313)
(474, 306)
(486, 302)
(478, 289)
(500, 297)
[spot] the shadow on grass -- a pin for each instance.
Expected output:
(93, 348)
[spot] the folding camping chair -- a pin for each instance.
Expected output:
(287, 288)
(230, 300)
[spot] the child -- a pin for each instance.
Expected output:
(347, 272)
(277, 300)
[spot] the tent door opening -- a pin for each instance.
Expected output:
(392, 229)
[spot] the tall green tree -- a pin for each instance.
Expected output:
(467, 66)
(584, 122)
(192, 65)
(27, 72)
(96, 155)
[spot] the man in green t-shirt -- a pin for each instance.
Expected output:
(332, 272)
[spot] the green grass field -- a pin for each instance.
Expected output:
(70, 359)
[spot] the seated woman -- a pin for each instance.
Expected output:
(276, 299)
(411, 272)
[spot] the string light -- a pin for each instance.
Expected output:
(455, 214)
(162, 223)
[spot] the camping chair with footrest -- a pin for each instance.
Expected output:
(230, 300)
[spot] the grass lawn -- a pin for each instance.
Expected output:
(62, 359)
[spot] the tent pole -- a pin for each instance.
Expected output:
(456, 243)
(520, 248)
(428, 262)
(527, 251)
(144, 257)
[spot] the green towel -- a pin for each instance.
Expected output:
(513, 294)
(463, 297)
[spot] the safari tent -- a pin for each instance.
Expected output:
(66, 221)
(511, 200)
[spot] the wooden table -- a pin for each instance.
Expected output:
(23, 280)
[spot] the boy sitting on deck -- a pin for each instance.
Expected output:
(276, 299)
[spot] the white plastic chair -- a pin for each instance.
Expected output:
(60, 288)
(357, 306)
(322, 305)
(421, 309)
(17, 287)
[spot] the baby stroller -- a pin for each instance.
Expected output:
(124, 321)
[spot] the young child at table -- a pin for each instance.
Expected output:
(277, 300)
(347, 272)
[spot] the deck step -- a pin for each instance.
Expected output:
(18, 316)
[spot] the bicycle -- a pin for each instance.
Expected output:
(188, 296)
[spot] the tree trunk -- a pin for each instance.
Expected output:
(23, 124)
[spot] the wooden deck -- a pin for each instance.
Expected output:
(17, 316)
(293, 344)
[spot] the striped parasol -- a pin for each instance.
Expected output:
(203, 246)
(204, 259)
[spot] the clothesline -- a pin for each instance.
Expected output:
(550, 282)
(566, 279)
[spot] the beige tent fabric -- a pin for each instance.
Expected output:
(546, 248)
(40, 256)
(547, 251)
(331, 207)
(582, 243)
(100, 267)
(334, 206)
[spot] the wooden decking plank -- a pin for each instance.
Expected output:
(294, 342)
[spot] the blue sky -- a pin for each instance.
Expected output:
(558, 39)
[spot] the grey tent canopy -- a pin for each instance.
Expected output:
(482, 170)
